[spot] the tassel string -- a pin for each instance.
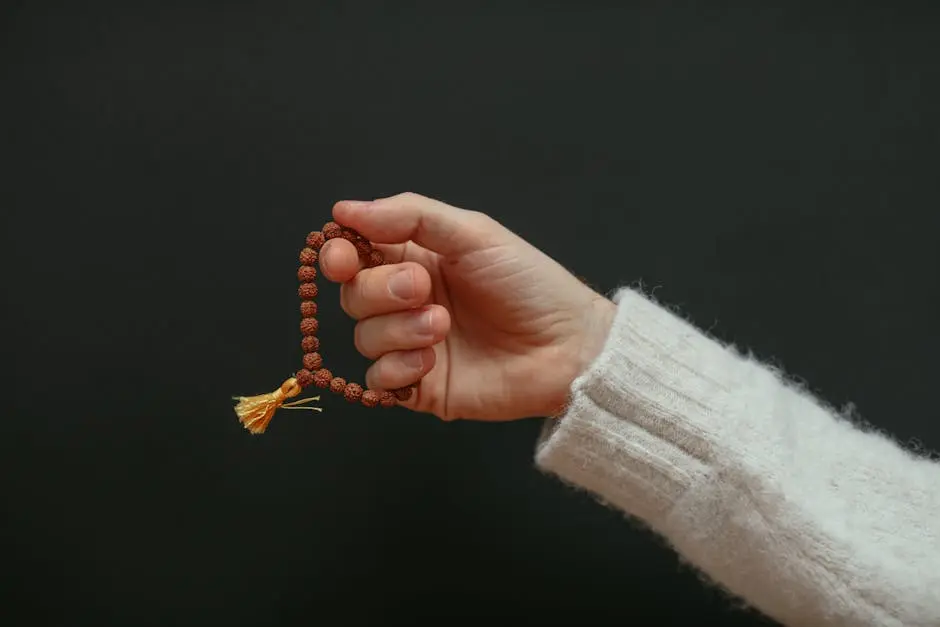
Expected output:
(256, 412)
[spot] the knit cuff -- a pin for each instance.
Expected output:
(644, 419)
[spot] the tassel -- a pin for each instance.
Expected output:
(255, 412)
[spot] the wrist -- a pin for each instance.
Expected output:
(596, 331)
(586, 345)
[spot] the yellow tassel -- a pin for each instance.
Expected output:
(255, 412)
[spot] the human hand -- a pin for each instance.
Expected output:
(497, 329)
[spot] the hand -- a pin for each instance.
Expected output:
(498, 329)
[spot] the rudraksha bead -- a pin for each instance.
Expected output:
(313, 361)
(310, 344)
(403, 394)
(315, 240)
(322, 378)
(376, 258)
(363, 247)
(331, 230)
(308, 256)
(370, 398)
(337, 385)
(306, 273)
(388, 399)
(308, 291)
(309, 326)
(308, 308)
(353, 392)
(304, 378)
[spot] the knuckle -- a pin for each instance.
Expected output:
(409, 197)
(479, 221)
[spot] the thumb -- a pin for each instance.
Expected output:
(437, 226)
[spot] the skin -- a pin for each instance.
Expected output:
(497, 329)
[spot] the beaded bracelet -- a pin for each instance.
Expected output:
(255, 412)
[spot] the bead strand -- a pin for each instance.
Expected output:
(313, 373)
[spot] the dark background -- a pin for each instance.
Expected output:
(771, 168)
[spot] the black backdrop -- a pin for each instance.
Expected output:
(771, 169)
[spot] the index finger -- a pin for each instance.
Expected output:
(432, 224)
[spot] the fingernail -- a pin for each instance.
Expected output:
(402, 285)
(423, 323)
(413, 359)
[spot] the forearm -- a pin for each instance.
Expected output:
(768, 492)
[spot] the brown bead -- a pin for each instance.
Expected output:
(315, 240)
(403, 394)
(304, 377)
(337, 385)
(322, 378)
(353, 392)
(308, 308)
(363, 247)
(331, 230)
(387, 399)
(313, 361)
(306, 273)
(376, 258)
(350, 235)
(370, 398)
(308, 256)
(310, 344)
(309, 326)
(308, 291)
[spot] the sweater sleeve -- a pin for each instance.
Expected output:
(760, 486)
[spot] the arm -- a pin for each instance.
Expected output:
(754, 482)
(772, 495)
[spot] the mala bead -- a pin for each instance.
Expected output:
(370, 398)
(309, 256)
(322, 378)
(308, 308)
(337, 385)
(313, 361)
(309, 326)
(310, 344)
(331, 230)
(376, 258)
(308, 291)
(315, 240)
(387, 399)
(304, 378)
(363, 247)
(350, 235)
(353, 392)
(403, 394)
(306, 273)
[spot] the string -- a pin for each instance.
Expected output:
(297, 404)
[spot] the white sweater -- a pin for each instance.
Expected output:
(771, 494)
